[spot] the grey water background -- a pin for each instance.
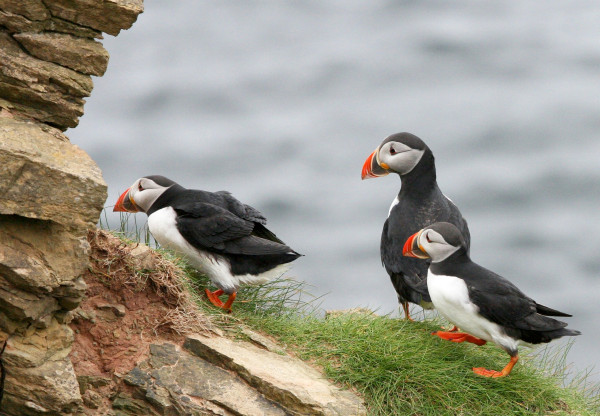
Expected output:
(280, 103)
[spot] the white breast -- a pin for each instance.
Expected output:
(450, 297)
(163, 226)
(394, 203)
(445, 196)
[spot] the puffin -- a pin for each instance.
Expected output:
(216, 233)
(486, 306)
(419, 203)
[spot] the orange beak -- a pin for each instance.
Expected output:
(413, 249)
(372, 168)
(125, 203)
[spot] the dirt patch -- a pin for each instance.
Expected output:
(134, 298)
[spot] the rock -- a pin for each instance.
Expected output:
(40, 267)
(8, 325)
(16, 23)
(117, 309)
(19, 305)
(51, 193)
(42, 257)
(35, 162)
(31, 9)
(92, 399)
(109, 312)
(130, 406)
(290, 382)
(70, 294)
(138, 378)
(171, 376)
(48, 389)
(108, 16)
(92, 381)
(141, 257)
(81, 54)
(41, 90)
(262, 341)
(34, 347)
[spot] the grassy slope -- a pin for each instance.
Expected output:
(397, 366)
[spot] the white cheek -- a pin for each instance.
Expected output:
(146, 198)
(439, 252)
(403, 162)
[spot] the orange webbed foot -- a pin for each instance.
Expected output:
(493, 373)
(487, 373)
(230, 300)
(459, 337)
(213, 297)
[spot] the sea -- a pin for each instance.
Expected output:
(281, 102)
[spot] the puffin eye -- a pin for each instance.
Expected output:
(427, 237)
(140, 188)
(392, 151)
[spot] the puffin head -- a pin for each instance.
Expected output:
(143, 193)
(437, 241)
(398, 153)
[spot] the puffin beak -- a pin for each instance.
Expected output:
(372, 168)
(412, 248)
(125, 203)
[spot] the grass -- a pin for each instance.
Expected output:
(397, 366)
(401, 369)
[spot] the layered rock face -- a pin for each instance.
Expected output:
(48, 52)
(51, 192)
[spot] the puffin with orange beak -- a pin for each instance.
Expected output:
(486, 306)
(419, 203)
(216, 233)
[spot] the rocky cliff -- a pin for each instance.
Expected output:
(51, 192)
(94, 326)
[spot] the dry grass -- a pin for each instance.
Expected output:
(117, 262)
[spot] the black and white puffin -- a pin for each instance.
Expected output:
(216, 233)
(486, 306)
(419, 203)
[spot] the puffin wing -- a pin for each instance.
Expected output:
(240, 209)
(502, 302)
(249, 213)
(206, 225)
(215, 228)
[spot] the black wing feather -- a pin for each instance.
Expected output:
(215, 228)
(210, 226)
(240, 209)
(502, 302)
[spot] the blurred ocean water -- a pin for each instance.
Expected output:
(281, 102)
